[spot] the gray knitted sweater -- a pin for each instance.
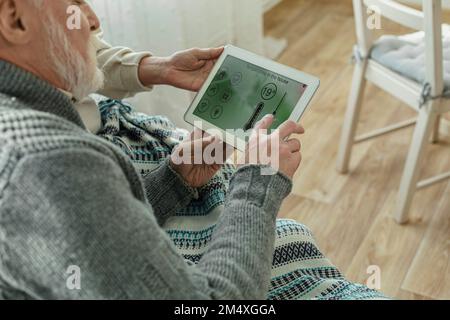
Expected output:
(68, 198)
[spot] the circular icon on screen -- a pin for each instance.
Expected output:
(203, 106)
(236, 78)
(269, 91)
(226, 96)
(213, 90)
(222, 75)
(217, 112)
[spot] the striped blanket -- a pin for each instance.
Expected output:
(299, 269)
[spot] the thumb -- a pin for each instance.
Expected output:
(208, 54)
(216, 52)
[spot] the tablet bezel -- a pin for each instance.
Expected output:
(236, 141)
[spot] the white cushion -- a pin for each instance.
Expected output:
(406, 54)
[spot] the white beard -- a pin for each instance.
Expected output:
(78, 76)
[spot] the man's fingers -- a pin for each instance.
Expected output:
(290, 127)
(199, 145)
(206, 141)
(264, 123)
(198, 134)
(294, 145)
(218, 150)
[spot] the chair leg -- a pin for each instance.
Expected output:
(352, 117)
(437, 125)
(408, 186)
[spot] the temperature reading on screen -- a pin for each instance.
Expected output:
(269, 91)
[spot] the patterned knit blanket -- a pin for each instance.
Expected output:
(299, 269)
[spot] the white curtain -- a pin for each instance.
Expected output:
(166, 26)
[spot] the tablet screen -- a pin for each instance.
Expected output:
(242, 93)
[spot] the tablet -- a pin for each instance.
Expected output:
(242, 88)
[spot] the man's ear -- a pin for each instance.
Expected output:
(14, 27)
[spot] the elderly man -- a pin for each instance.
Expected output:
(71, 201)
(72, 205)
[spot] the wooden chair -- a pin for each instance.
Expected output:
(404, 89)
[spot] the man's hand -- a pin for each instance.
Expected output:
(189, 69)
(185, 69)
(195, 165)
(288, 153)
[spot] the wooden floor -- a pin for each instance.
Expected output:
(351, 215)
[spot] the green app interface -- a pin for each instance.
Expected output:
(242, 93)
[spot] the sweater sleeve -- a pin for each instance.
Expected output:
(167, 192)
(72, 228)
(120, 66)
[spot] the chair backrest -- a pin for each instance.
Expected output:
(429, 20)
